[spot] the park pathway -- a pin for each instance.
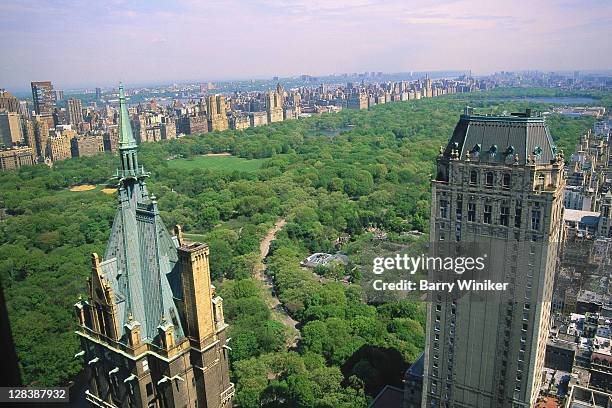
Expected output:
(278, 310)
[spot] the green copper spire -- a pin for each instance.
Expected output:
(126, 138)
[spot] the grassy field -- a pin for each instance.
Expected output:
(229, 163)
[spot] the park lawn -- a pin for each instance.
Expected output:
(228, 163)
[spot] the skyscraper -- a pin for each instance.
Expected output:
(498, 187)
(74, 111)
(152, 329)
(43, 96)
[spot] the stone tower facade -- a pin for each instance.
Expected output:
(499, 188)
(216, 113)
(152, 329)
(274, 106)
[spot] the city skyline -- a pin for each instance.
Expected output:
(185, 40)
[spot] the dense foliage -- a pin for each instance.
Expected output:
(329, 176)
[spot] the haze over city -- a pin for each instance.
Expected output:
(79, 43)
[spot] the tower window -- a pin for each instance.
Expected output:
(489, 179)
(443, 209)
(487, 214)
(459, 210)
(517, 217)
(149, 389)
(535, 219)
(506, 181)
(472, 212)
(473, 177)
(504, 216)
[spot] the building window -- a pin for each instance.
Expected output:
(459, 210)
(518, 212)
(535, 219)
(145, 365)
(504, 216)
(443, 209)
(149, 389)
(506, 181)
(472, 212)
(489, 179)
(473, 177)
(487, 214)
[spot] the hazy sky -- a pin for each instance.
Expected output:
(95, 42)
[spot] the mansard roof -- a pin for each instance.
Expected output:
(502, 139)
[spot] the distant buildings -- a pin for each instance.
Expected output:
(216, 113)
(82, 146)
(15, 157)
(10, 129)
(74, 111)
(58, 144)
(43, 96)
(8, 102)
(274, 104)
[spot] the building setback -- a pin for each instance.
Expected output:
(152, 329)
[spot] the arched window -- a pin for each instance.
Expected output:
(473, 177)
(489, 179)
(506, 181)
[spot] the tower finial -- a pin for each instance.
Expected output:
(126, 138)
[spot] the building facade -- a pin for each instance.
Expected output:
(74, 111)
(216, 113)
(10, 129)
(58, 147)
(15, 157)
(8, 102)
(43, 97)
(498, 188)
(152, 329)
(83, 146)
(274, 105)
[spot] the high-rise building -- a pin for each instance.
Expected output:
(8, 102)
(274, 104)
(74, 111)
(10, 129)
(29, 136)
(41, 137)
(98, 93)
(24, 110)
(43, 97)
(216, 113)
(152, 329)
(499, 190)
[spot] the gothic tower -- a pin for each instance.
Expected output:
(152, 330)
